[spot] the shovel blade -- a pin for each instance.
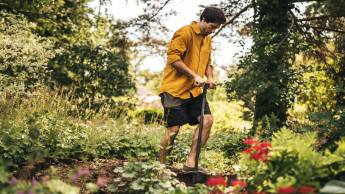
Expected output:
(199, 177)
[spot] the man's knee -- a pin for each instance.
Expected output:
(173, 130)
(208, 120)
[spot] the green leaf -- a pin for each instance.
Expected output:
(92, 187)
(334, 186)
(137, 185)
(113, 187)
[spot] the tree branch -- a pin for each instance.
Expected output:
(318, 17)
(329, 29)
(291, 26)
(155, 14)
(233, 18)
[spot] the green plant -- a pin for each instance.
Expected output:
(231, 143)
(24, 56)
(229, 116)
(149, 115)
(94, 71)
(264, 127)
(329, 127)
(143, 177)
(54, 186)
(293, 161)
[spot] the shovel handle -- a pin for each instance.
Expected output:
(206, 86)
(201, 126)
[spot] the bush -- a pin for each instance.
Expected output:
(228, 116)
(95, 71)
(23, 55)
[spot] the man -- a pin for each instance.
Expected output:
(189, 60)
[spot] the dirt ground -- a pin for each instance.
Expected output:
(100, 167)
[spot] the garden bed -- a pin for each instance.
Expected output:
(65, 168)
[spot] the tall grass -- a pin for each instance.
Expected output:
(52, 123)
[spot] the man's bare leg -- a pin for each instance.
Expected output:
(208, 121)
(167, 142)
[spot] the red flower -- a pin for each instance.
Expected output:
(250, 141)
(247, 151)
(307, 189)
(216, 181)
(288, 189)
(239, 183)
(265, 144)
(258, 151)
(257, 148)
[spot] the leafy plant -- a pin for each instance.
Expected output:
(149, 115)
(329, 126)
(143, 177)
(232, 143)
(293, 161)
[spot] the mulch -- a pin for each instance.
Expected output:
(62, 168)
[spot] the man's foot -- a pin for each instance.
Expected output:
(163, 175)
(192, 169)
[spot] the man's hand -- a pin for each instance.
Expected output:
(199, 81)
(212, 83)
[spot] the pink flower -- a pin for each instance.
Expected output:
(14, 182)
(100, 181)
(75, 177)
(239, 183)
(307, 189)
(79, 172)
(87, 172)
(216, 181)
(46, 180)
(34, 182)
(288, 189)
(250, 141)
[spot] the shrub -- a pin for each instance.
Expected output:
(23, 55)
(228, 116)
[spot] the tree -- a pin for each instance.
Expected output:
(93, 50)
(94, 71)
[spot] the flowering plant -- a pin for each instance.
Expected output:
(218, 184)
(289, 162)
(258, 151)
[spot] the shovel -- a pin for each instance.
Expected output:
(198, 176)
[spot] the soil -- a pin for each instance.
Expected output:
(41, 169)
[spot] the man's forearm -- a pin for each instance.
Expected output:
(181, 67)
(209, 72)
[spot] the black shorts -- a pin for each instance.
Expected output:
(183, 110)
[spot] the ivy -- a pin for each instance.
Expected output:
(264, 76)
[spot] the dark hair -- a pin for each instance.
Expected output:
(213, 14)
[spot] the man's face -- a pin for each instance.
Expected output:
(208, 28)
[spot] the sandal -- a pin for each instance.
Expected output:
(192, 169)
